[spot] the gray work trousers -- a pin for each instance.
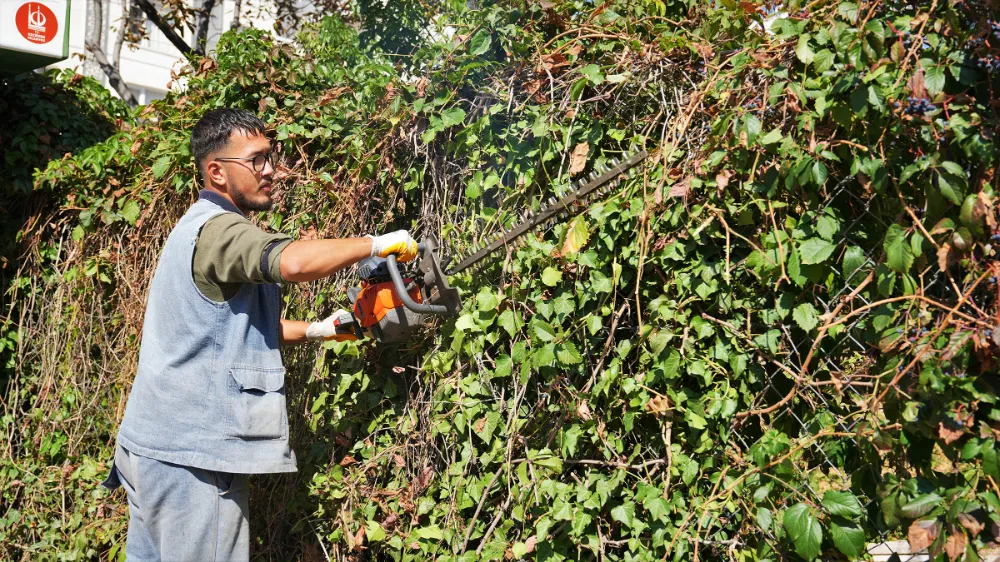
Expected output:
(179, 513)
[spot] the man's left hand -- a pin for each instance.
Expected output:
(326, 330)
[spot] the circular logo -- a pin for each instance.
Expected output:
(36, 22)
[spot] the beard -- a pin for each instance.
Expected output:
(262, 203)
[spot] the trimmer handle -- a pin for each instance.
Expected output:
(404, 295)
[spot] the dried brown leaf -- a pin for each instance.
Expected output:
(555, 60)
(971, 524)
(946, 257)
(916, 84)
(359, 538)
(659, 406)
(681, 188)
(949, 434)
(529, 545)
(583, 411)
(578, 160)
(722, 178)
(348, 460)
(987, 210)
(390, 521)
(425, 477)
(954, 545)
(922, 534)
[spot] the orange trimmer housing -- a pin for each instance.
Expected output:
(390, 307)
(376, 300)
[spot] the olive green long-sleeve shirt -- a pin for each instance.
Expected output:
(231, 251)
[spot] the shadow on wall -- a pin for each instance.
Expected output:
(42, 117)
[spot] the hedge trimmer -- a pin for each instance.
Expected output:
(390, 307)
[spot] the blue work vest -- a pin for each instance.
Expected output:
(210, 387)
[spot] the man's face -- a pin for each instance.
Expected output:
(249, 188)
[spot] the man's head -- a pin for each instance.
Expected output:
(234, 157)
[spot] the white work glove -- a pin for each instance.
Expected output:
(326, 330)
(399, 243)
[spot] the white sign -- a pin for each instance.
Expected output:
(37, 27)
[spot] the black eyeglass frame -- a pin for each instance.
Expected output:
(267, 158)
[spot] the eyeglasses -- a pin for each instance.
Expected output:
(256, 161)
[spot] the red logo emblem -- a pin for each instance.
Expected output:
(36, 22)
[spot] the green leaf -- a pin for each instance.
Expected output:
(657, 507)
(898, 256)
(804, 530)
(920, 506)
(843, 504)
(952, 182)
(934, 79)
(551, 276)
(480, 42)
(819, 173)
(764, 518)
(772, 137)
(452, 116)
(823, 60)
(466, 323)
(567, 354)
(816, 250)
(487, 299)
(805, 316)
(753, 126)
(507, 322)
(130, 212)
(161, 166)
(624, 514)
(593, 73)
(803, 50)
(543, 330)
(848, 537)
(432, 532)
(849, 10)
(854, 259)
(374, 532)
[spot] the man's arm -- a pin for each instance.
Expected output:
(309, 260)
(293, 332)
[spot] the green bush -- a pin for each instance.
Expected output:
(776, 339)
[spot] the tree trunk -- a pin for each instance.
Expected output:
(93, 34)
(128, 16)
(236, 15)
(114, 77)
(203, 19)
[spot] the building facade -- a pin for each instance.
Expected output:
(145, 67)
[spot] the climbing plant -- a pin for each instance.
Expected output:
(775, 339)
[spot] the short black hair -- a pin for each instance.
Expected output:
(214, 128)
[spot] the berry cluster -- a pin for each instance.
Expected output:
(974, 44)
(918, 106)
(908, 40)
(988, 63)
(994, 29)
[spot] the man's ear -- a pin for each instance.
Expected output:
(215, 173)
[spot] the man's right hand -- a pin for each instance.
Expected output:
(399, 243)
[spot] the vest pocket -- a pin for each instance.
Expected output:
(257, 403)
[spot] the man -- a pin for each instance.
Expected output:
(207, 407)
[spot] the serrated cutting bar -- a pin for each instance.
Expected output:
(551, 210)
